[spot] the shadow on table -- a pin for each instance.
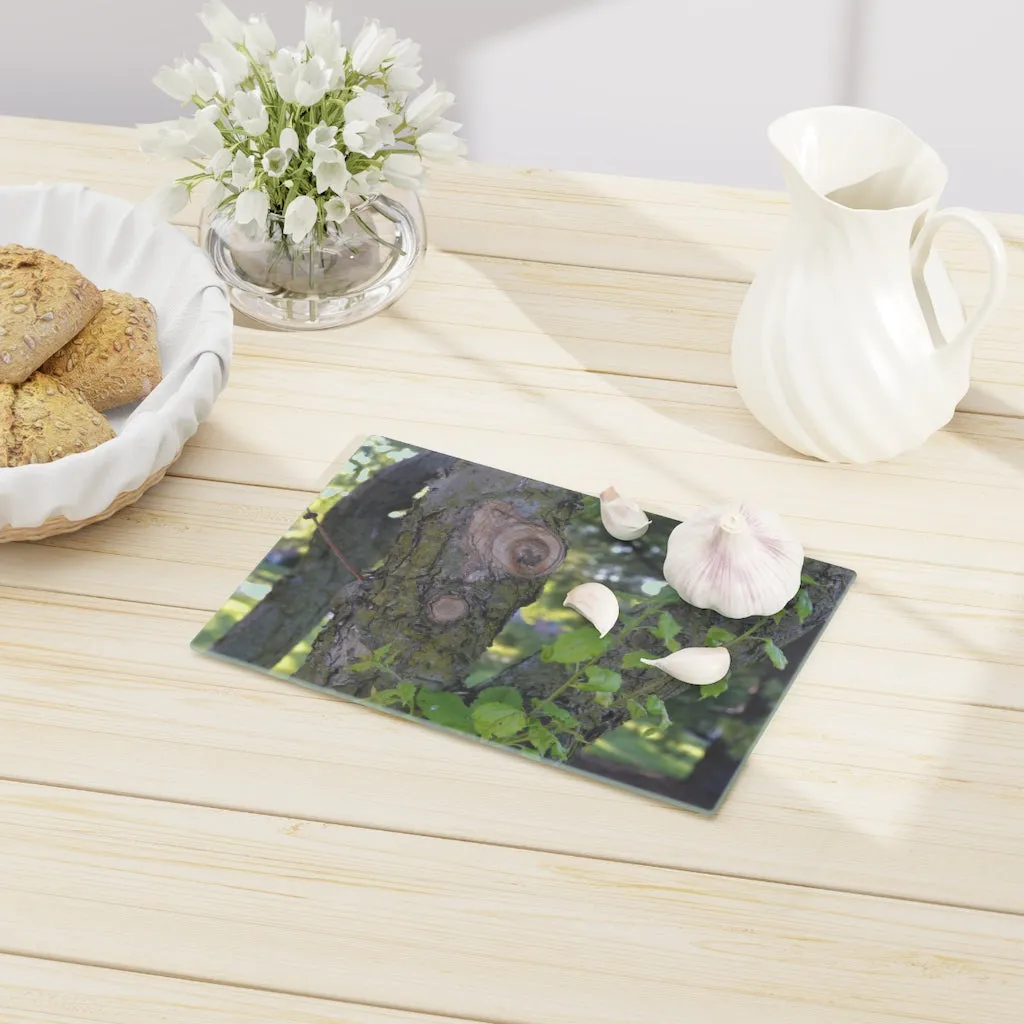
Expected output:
(888, 820)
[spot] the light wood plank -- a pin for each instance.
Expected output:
(678, 228)
(646, 325)
(100, 156)
(529, 218)
(863, 783)
(464, 929)
(190, 542)
(34, 991)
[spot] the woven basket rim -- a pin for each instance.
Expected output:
(56, 525)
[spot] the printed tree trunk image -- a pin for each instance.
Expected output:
(538, 679)
(478, 547)
(301, 599)
(434, 587)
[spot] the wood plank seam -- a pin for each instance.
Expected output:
(424, 1015)
(520, 847)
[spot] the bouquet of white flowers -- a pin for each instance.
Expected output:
(300, 135)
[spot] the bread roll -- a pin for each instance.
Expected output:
(44, 303)
(115, 360)
(42, 420)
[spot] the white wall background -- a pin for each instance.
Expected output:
(656, 88)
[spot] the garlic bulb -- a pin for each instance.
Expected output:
(736, 558)
(697, 666)
(596, 603)
(623, 518)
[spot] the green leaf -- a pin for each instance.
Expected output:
(556, 714)
(546, 653)
(386, 698)
(406, 693)
(361, 666)
(558, 751)
(779, 616)
(673, 645)
(500, 695)
(718, 637)
(635, 709)
(668, 628)
(579, 645)
(804, 605)
(656, 707)
(541, 738)
(498, 721)
(604, 700)
(714, 689)
(808, 581)
(445, 709)
(600, 680)
(634, 659)
(775, 655)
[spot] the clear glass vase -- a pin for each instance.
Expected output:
(348, 273)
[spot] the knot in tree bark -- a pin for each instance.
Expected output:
(507, 544)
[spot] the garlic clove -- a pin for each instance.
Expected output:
(737, 559)
(596, 603)
(697, 666)
(622, 517)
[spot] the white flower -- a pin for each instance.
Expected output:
(259, 37)
(337, 209)
(231, 65)
(168, 138)
(176, 81)
(243, 170)
(404, 71)
(204, 81)
(187, 137)
(321, 138)
(299, 218)
(220, 162)
(368, 124)
(365, 182)
(371, 47)
(439, 146)
(289, 141)
(206, 136)
(425, 110)
(250, 113)
(167, 201)
(221, 22)
(404, 170)
(218, 193)
(330, 171)
(275, 161)
(284, 66)
(323, 37)
(313, 81)
(252, 205)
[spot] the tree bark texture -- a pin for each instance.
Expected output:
(357, 525)
(534, 678)
(470, 553)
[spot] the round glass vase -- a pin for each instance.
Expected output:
(336, 276)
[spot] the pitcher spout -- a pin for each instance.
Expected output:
(857, 159)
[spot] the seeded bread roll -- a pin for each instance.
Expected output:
(42, 420)
(115, 360)
(44, 303)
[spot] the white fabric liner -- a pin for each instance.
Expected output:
(119, 246)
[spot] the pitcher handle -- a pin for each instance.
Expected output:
(997, 269)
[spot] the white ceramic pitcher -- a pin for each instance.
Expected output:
(852, 344)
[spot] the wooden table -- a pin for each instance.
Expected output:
(187, 841)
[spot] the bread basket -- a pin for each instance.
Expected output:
(119, 246)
